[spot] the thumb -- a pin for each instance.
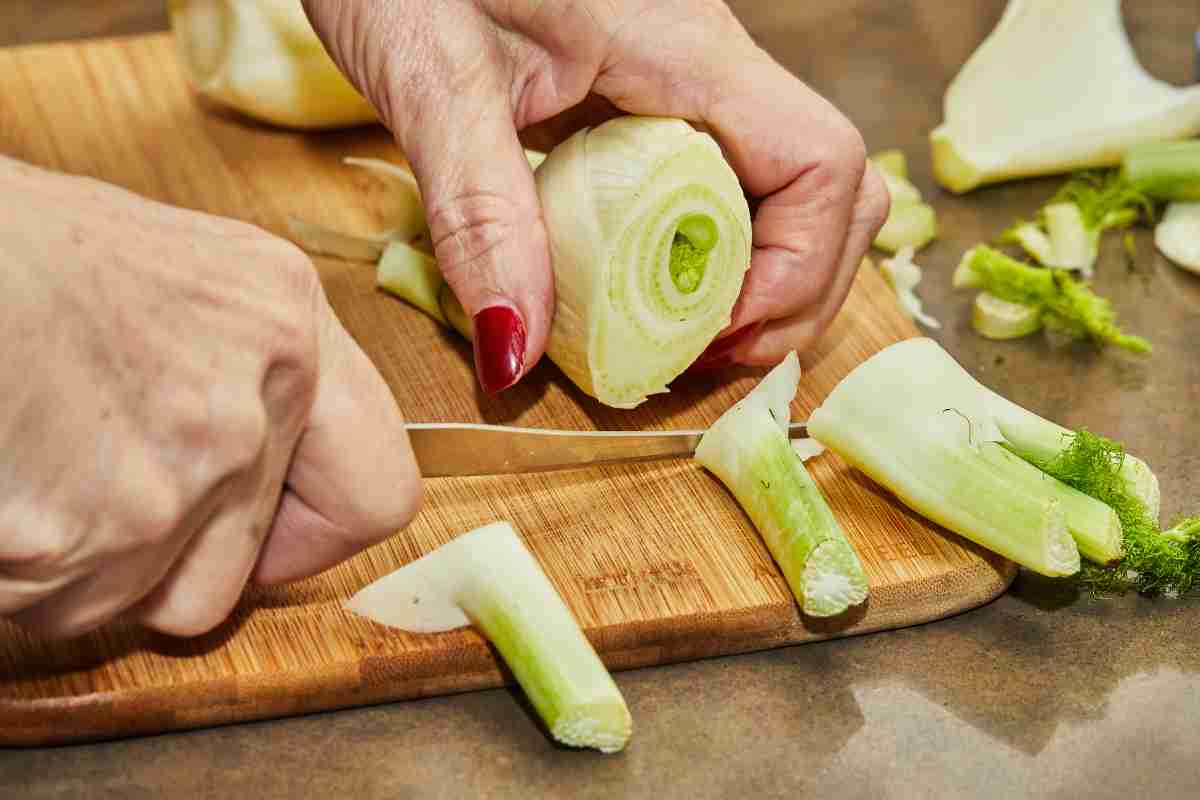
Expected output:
(353, 479)
(486, 223)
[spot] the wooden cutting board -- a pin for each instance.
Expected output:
(657, 561)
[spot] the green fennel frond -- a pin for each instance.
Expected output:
(1106, 199)
(1154, 561)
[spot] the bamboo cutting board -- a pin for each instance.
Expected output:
(656, 560)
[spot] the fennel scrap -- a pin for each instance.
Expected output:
(489, 579)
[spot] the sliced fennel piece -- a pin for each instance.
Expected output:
(748, 449)
(454, 314)
(407, 272)
(1165, 170)
(1177, 236)
(619, 202)
(487, 578)
(910, 222)
(993, 318)
(1075, 246)
(405, 212)
(1055, 87)
(1034, 241)
(908, 225)
(1065, 305)
(262, 58)
(960, 455)
(903, 276)
(321, 241)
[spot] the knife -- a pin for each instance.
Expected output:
(460, 449)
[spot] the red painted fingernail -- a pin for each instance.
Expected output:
(499, 347)
(719, 353)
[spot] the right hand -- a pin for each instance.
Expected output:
(180, 409)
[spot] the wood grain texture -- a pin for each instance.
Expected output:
(656, 560)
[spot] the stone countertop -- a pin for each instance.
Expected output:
(1040, 694)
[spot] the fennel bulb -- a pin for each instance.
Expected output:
(487, 578)
(748, 449)
(1055, 87)
(262, 58)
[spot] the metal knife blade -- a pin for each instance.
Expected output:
(461, 449)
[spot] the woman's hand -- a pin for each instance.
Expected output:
(181, 409)
(455, 81)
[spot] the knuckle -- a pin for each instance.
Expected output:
(470, 227)
(154, 514)
(37, 543)
(374, 523)
(850, 155)
(241, 438)
(195, 620)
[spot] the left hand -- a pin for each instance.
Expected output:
(456, 81)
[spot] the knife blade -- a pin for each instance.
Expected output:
(461, 448)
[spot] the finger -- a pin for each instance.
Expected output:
(487, 228)
(353, 480)
(205, 582)
(789, 146)
(798, 332)
(83, 604)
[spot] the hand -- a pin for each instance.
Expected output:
(181, 408)
(456, 81)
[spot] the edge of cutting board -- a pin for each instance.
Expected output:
(383, 679)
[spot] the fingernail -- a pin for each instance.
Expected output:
(499, 347)
(720, 353)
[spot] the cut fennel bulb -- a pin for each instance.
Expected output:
(748, 449)
(262, 58)
(903, 276)
(1177, 236)
(487, 578)
(1055, 87)
(961, 455)
(910, 222)
(650, 242)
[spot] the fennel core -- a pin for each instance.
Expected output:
(695, 237)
